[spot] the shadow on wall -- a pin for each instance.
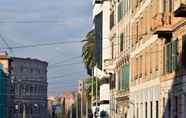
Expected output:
(173, 85)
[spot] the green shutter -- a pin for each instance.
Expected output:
(123, 78)
(127, 76)
(120, 11)
(174, 54)
(164, 60)
(167, 58)
(184, 52)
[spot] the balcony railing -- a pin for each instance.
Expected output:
(97, 1)
(161, 25)
(122, 94)
(180, 8)
(108, 63)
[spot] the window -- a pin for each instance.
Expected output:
(31, 90)
(125, 77)
(140, 66)
(151, 110)
(157, 53)
(164, 102)
(183, 60)
(167, 6)
(157, 109)
(120, 11)
(112, 81)
(121, 42)
(176, 106)
(112, 20)
(169, 107)
(145, 57)
(171, 54)
(21, 69)
(112, 50)
(137, 32)
(150, 59)
(146, 111)
(137, 68)
(119, 79)
(137, 111)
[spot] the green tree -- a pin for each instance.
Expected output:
(88, 51)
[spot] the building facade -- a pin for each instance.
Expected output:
(30, 84)
(146, 56)
(101, 19)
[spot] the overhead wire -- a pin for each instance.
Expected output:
(64, 60)
(41, 44)
(65, 64)
(32, 21)
(64, 75)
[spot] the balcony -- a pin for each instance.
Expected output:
(122, 95)
(108, 64)
(97, 1)
(180, 8)
(162, 25)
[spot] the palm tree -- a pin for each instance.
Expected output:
(88, 54)
(88, 51)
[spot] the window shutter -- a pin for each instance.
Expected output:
(121, 42)
(170, 57)
(167, 58)
(184, 51)
(127, 76)
(164, 60)
(174, 54)
(123, 78)
(120, 11)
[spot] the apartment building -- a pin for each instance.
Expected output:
(170, 26)
(120, 51)
(147, 40)
(101, 14)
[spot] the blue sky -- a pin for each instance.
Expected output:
(69, 20)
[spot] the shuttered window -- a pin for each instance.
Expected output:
(125, 78)
(167, 5)
(120, 11)
(184, 51)
(121, 42)
(112, 20)
(171, 59)
(174, 55)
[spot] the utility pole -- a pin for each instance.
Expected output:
(81, 104)
(77, 109)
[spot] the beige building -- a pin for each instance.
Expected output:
(148, 39)
(120, 47)
(145, 50)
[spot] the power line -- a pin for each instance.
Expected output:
(41, 45)
(64, 75)
(32, 21)
(65, 60)
(65, 64)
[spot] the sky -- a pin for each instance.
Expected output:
(25, 22)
